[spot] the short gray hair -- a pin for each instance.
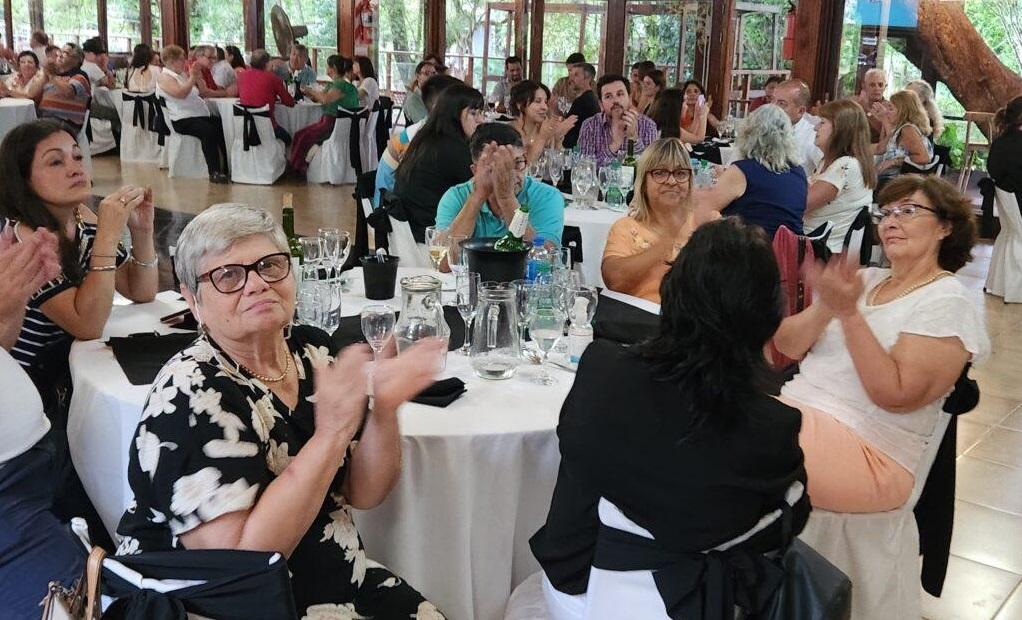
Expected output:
(875, 71)
(800, 88)
(766, 136)
(259, 59)
(214, 231)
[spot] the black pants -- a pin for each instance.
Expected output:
(210, 133)
(282, 135)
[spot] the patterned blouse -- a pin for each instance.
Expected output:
(212, 438)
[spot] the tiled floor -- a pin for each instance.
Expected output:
(985, 573)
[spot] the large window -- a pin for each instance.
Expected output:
(216, 21)
(157, 29)
(319, 16)
(401, 42)
(668, 32)
(70, 20)
(570, 27)
(480, 35)
(124, 29)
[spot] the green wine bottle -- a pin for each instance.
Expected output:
(293, 245)
(514, 239)
(628, 166)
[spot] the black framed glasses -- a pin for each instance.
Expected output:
(901, 213)
(680, 175)
(232, 278)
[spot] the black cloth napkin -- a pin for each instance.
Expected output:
(350, 329)
(181, 320)
(441, 393)
(141, 356)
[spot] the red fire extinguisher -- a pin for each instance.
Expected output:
(788, 45)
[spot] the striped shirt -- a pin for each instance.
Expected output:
(595, 136)
(38, 332)
(70, 109)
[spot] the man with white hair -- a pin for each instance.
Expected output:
(874, 83)
(792, 96)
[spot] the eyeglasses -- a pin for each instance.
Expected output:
(232, 278)
(901, 213)
(681, 175)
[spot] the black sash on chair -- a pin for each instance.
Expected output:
(138, 114)
(158, 120)
(354, 135)
(250, 132)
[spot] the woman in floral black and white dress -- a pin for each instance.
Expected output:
(255, 437)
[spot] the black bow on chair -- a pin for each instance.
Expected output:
(250, 132)
(138, 113)
(354, 136)
(158, 120)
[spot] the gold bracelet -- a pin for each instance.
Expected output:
(106, 268)
(145, 264)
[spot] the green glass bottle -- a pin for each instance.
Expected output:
(293, 245)
(514, 239)
(628, 166)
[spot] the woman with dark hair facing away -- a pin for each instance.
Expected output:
(640, 422)
(667, 111)
(339, 93)
(235, 57)
(693, 90)
(530, 107)
(364, 77)
(880, 349)
(141, 75)
(47, 187)
(1004, 164)
(438, 157)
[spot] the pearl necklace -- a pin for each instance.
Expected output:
(265, 379)
(931, 280)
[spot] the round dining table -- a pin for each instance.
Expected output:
(14, 112)
(476, 480)
(594, 224)
(291, 119)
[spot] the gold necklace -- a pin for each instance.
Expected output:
(930, 280)
(264, 378)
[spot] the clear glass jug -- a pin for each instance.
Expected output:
(422, 314)
(495, 350)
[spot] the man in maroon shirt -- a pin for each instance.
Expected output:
(258, 87)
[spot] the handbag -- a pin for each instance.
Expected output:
(81, 601)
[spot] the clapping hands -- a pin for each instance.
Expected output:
(25, 266)
(838, 285)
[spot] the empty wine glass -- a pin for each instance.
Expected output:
(456, 257)
(436, 243)
(308, 305)
(546, 326)
(555, 166)
(523, 289)
(377, 326)
(467, 287)
(328, 302)
(582, 179)
(312, 256)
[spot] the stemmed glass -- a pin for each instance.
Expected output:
(555, 166)
(436, 243)
(467, 288)
(456, 257)
(308, 306)
(582, 179)
(377, 326)
(523, 308)
(546, 326)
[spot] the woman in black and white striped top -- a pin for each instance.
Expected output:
(44, 184)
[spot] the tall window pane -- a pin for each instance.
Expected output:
(157, 25)
(401, 42)
(668, 32)
(480, 35)
(217, 22)
(22, 28)
(320, 17)
(124, 29)
(572, 27)
(70, 20)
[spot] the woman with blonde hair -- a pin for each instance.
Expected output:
(641, 246)
(925, 93)
(907, 128)
(844, 181)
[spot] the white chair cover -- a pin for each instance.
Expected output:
(880, 551)
(402, 244)
(138, 144)
(102, 136)
(332, 163)
(368, 148)
(85, 147)
(1004, 278)
(258, 165)
(182, 155)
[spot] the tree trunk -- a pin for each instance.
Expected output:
(962, 59)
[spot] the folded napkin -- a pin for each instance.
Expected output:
(141, 356)
(441, 393)
(350, 329)
(181, 320)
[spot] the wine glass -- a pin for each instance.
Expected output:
(437, 246)
(312, 256)
(457, 259)
(308, 305)
(582, 179)
(331, 243)
(467, 287)
(328, 302)
(546, 326)
(563, 105)
(555, 166)
(523, 290)
(377, 326)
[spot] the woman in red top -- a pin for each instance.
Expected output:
(258, 87)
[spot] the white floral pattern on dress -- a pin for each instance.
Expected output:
(427, 611)
(329, 611)
(148, 445)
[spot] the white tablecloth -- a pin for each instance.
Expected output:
(476, 480)
(14, 112)
(290, 118)
(594, 226)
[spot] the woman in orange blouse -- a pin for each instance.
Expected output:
(641, 246)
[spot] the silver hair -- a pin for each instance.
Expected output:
(800, 88)
(874, 71)
(214, 231)
(766, 136)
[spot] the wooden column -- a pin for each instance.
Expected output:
(818, 46)
(145, 21)
(35, 15)
(436, 28)
(101, 23)
(174, 19)
(521, 34)
(536, 40)
(722, 45)
(254, 18)
(346, 28)
(9, 26)
(614, 38)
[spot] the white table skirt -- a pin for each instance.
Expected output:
(14, 112)
(291, 118)
(476, 479)
(594, 226)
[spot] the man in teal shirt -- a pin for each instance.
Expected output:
(484, 206)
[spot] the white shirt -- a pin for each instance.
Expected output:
(223, 74)
(805, 143)
(179, 108)
(143, 81)
(22, 421)
(852, 195)
(827, 379)
(94, 71)
(372, 92)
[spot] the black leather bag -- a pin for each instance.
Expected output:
(812, 588)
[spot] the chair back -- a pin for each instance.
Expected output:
(252, 127)
(792, 252)
(402, 243)
(1008, 212)
(861, 244)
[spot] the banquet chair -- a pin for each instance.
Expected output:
(102, 136)
(368, 147)
(138, 143)
(84, 145)
(932, 167)
(878, 551)
(257, 156)
(339, 159)
(1004, 278)
(400, 242)
(183, 154)
(861, 244)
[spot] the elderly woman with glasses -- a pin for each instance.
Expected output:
(641, 246)
(257, 437)
(881, 349)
